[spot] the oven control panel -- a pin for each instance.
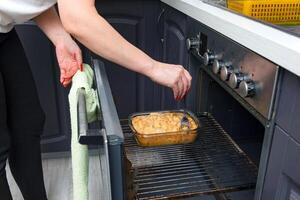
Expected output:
(234, 77)
(246, 73)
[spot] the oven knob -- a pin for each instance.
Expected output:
(247, 88)
(236, 78)
(218, 64)
(193, 43)
(208, 58)
(225, 72)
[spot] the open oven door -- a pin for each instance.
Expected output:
(108, 138)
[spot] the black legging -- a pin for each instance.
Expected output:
(21, 122)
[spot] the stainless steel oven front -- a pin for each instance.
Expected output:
(234, 83)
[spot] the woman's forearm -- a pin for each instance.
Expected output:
(51, 25)
(95, 33)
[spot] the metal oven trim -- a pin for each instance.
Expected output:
(268, 138)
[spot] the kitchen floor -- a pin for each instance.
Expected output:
(58, 179)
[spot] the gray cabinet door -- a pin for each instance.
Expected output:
(137, 22)
(283, 173)
(53, 96)
(174, 49)
(288, 115)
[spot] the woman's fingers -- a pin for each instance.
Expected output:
(173, 76)
(70, 73)
(78, 57)
(175, 91)
(66, 74)
(70, 69)
(62, 75)
(189, 78)
(67, 82)
(185, 86)
(182, 85)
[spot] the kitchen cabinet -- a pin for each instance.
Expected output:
(288, 115)
(53, 97)
(283, 178)
(137, 22)
(174, 48)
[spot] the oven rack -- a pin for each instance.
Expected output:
(213, 165)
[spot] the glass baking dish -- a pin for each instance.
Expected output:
(165, 138)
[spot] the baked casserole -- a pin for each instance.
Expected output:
(163, 128)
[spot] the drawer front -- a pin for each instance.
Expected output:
(289, 182)
(283, 175)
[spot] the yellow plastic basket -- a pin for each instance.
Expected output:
(282, 12)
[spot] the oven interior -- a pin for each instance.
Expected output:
(221, 164)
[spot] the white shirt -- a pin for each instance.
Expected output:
(19, 11)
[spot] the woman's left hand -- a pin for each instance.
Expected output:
(69, 59)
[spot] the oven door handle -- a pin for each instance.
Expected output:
(86, 136)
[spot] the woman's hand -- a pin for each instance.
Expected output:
(173, 76)
(69, 59)
(67, 51)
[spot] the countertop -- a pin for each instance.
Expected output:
(276, 45)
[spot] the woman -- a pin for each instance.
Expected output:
(22, 124)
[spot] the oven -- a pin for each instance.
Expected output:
(233, 95)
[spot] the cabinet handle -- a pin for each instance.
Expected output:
(160, 28)
(160, 15)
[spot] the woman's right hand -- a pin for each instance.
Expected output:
(69, 59)
(172, 76)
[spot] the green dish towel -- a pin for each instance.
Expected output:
(80, 158)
